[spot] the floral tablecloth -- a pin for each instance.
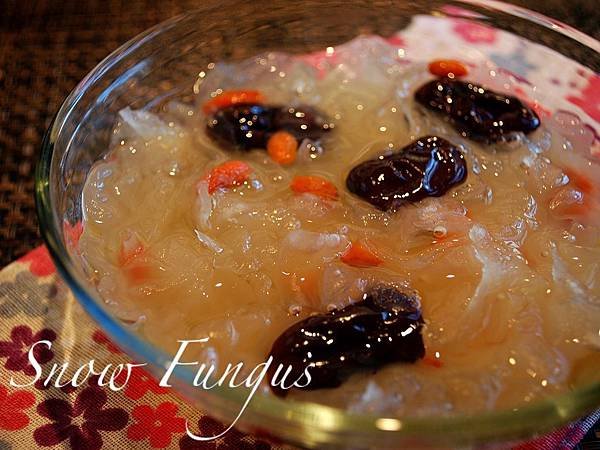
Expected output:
(35, 305)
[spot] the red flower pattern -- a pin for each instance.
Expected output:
(40, 385)
(100, 338)
(155, 424)
(539, 109)
(318, 60)
(16, 350)
(40, 263)
(589, 98)
(140, 382)
(396, 41)
(81, 422)
(72, 233)
(12, 416)
(475, 33)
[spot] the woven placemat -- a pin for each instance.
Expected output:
(46, 48)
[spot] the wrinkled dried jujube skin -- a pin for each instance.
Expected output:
(384, 327)
(248, 126)
(428, 167)
(477, 112)
(301, 121)
(241, 126)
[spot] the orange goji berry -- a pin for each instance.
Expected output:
(584, 184)
(229, 174)
(137, 274)
(358, 255)
(314, 185)
(232, 97)
(282, 147)
(447, 68)
(569, 202)
(132, 261)
(575, 209)
(434, 362)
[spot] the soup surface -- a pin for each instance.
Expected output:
(354, 185)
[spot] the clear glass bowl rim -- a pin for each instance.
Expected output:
(313, 424)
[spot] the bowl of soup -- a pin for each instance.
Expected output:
(392, 210)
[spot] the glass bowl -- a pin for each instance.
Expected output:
(164, 63)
